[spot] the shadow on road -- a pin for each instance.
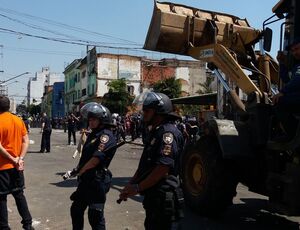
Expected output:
(34, 151)
(72, 182)
(66, 183)
(118, 184)
(247, 216)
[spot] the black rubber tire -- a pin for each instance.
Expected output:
(209, 183)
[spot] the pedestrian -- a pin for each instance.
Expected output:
(72, 120)
(26, 122)
(13, 147)
(157, 175)
(46, 130)
(94, 177)
(120, 129)
(65, 123)
(287, 101)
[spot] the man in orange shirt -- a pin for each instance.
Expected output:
(13, 147)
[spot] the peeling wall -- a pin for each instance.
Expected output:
(112, 67)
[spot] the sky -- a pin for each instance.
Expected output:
(112, 23)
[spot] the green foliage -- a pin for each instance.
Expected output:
(118, 98)
(206, 86)
(34, 109)
(170, 86)
(192, 110)
(195, 109)
(21, 109)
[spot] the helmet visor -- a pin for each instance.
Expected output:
(87, 108)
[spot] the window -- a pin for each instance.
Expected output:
(83, 73)
(83, 92)
(93, 88)
(78, 94)
(75, 78)
(130, 89)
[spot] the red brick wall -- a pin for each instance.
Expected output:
(155, 73)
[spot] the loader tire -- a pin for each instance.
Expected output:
(208, 180)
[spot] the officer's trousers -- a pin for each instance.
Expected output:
(45, 143)
(157, 221)
(71, 132)
(95, 215)
(285, 110)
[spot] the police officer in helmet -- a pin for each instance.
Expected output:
(93, 174)
(156, 176)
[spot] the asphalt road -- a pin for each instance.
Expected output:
(48, 195)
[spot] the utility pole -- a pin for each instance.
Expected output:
(1, 55)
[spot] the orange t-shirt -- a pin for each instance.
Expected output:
(12, 130)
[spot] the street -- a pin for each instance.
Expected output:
(48, 195)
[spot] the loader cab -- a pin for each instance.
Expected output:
(289, 10)
(290, 28)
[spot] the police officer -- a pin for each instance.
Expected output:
(156, 176)
(93, 174)
(46, 131)
(288, 100)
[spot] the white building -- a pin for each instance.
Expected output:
(13, 105)
(36, 85)
(113, 67)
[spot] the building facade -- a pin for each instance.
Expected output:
(113, 67)
(72, 85)
(58, 106)
(190, 73)
(36, 85)
(87, 79)
(46, 100)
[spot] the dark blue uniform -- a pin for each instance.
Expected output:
(71, 129)
(46, 135)
(94, 183)
(289, 103)
(163, 146)
(292, 85)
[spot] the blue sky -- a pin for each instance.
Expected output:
(128, 20)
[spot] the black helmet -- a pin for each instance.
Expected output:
(160, 102)
(96, 110)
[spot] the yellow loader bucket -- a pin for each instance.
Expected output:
(174, 28)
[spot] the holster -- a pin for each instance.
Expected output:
(174, 184)
(104, 176)
(166, 198)
(93, 186)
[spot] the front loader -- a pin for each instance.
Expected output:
(242, 147)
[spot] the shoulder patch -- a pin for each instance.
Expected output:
(168, 138)
(104, 138)
(167, 150)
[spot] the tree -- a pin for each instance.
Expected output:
(170, 86)
(34, 109)
(118, 98)
(21, 109)
(206, 86)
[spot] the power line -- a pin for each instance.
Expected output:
(65, 41)
(36, 27)
(66, 26)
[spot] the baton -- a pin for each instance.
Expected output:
(74, 172)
